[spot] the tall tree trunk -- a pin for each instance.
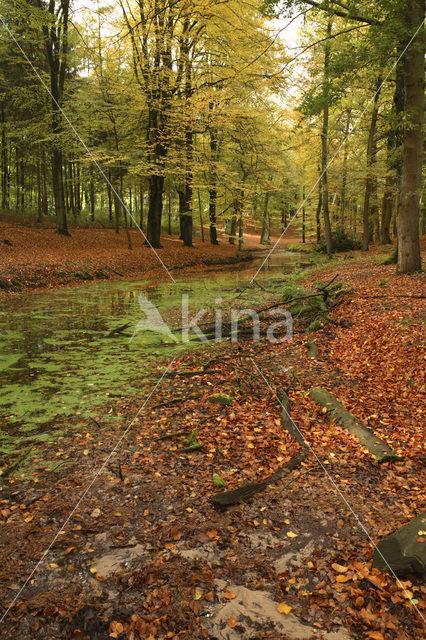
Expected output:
(232, 230)
(324, 146)
(303, 217)
(109, 194)
(39, 193)
(4, 161)
(141, 204)
(92, 194)
(389, 192)
(370, 192)
(201, 215)
(169, 213)
(265, 233)
(412, 146)
(213, 183)
(45, 201)
(155, 209)
(345, 168)
(318, 212)
(126, 226)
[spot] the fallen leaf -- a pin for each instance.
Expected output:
(284, 608)
(339, 568)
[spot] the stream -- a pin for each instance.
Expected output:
(56, 360)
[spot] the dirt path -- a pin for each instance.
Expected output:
(145, 555)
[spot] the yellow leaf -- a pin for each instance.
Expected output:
(339, 568)
(284, 608)
(96, 513)
(54, 565)
(341, 578)
(86, 452)
(197, 594)
(290, 534)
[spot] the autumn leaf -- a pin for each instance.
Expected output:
(291, 534)
(339, 568)
(231, 622)
(228, 595)
(341, 578)
(284, 608)
(375, 635)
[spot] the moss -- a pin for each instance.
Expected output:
(221, 398)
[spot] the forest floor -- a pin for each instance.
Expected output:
(134, 549)
(37, 257)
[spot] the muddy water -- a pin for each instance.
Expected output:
(55, 358)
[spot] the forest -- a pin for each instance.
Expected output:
(212, 381)
(178, 116)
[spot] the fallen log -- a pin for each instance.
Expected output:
(167, 403)
(286, 420)
(404, 551)
(228, 498)
(365, 436)
(118, 331)
(189, 374)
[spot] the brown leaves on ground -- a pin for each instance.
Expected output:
(299, 540)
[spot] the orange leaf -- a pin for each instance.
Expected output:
(341, 578)
(375, 635)
(231, 622)
(228, 595)
(339, 568)
(284, 608)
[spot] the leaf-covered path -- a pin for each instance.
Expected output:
(145, 554)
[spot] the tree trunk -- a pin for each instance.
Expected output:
(169, 213)
(404, 551)
(371, 180)
(58, 192)
(265, 233)
(155, 209)
(345, 169)
(39, 194)
(92, 194)
(409, 259)
(213, 181)
(201, 215)
(324, 146)
(303, 217)
(318, 212)
(232, 230)
(109, 193)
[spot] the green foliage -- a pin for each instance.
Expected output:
(217, 481)
(191, 441)
(341, 241)
(300, 247)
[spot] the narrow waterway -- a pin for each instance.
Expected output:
(55, 358)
